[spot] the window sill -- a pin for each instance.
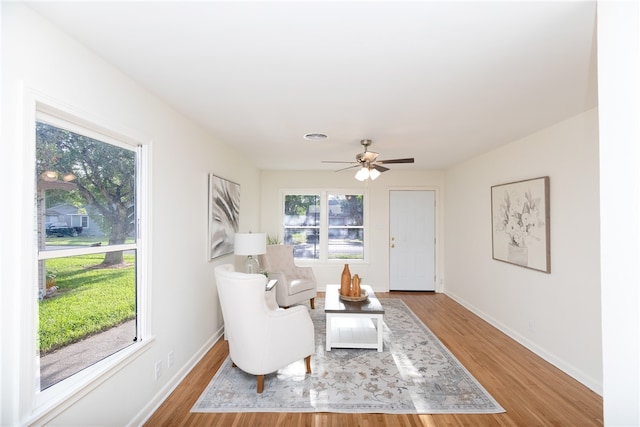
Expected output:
(306, 262)
(51, 402)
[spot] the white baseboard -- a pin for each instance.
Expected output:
(565, 367)
(171, 385)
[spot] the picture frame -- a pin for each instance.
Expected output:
(520, 222)
(223, 216)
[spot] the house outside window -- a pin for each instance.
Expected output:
(325, 225)
(88, 249)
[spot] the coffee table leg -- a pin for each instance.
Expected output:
(379, 325)
(328, 332)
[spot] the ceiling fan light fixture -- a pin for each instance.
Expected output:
(362, 174)
(315, 136)
(369, 165)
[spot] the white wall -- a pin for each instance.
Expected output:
(376, 270)
(557, 315)
(185, 317)
(619, 98)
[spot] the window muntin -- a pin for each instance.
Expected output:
(325, 225)
(87, 277)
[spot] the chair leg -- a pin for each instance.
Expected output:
(307, 361)
(260, 379)
(313, 303)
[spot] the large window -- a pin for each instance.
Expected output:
(86, 205)
(325, 225)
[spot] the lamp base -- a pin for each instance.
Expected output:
(252, 265)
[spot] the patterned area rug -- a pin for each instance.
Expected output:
(415, 374)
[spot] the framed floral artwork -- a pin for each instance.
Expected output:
(224, 215)
(520, 223)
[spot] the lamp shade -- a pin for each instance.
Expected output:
(250, 244)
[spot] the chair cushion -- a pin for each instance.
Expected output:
(300, 285)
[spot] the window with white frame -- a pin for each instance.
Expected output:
(325, 225)
(87, 209)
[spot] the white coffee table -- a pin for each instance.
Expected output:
(353, 324)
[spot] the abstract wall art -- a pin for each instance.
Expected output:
(224, 215)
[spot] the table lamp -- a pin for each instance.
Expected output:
(251, 245)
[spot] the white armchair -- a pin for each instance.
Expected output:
(295, 284)
(262, 338)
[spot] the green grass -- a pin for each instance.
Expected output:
(346, 256)
(88, 300)
(81, 240)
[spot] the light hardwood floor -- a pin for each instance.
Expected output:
(532, 391)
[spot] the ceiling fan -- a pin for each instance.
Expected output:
(370, 166)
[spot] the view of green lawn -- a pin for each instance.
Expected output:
(89, 300)
(81, 240)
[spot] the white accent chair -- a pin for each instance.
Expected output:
(262, 337)
(295, 284)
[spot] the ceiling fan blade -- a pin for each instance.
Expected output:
(407, 160)
(380, 168)
(348, 167)
(337, 161)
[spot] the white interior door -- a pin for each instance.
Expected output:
(412, 240)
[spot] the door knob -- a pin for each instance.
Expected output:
(393, 245)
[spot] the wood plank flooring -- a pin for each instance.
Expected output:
(532, 391)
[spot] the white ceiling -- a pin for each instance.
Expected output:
(438, 81)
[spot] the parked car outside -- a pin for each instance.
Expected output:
(60, 229)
